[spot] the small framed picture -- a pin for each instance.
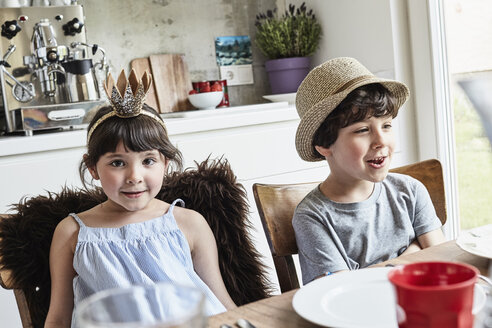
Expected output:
(235, 59)
(233, 50)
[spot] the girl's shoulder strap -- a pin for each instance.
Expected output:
(176, 201)
(79, 221)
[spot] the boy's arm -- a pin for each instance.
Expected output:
(425, 240)
(412, 248)
(431, 238)
(318, 252)
(429, 231)
(62, 274)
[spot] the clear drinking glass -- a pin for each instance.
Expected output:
(161, 305)
(484, 318)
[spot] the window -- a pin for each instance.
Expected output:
(468, 30)
(443, 49)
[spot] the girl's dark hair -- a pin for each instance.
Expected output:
(366, 101)
(138, 134)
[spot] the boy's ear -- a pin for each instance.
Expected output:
(325, 152)
(92, 170)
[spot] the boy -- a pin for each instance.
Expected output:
(360, 215)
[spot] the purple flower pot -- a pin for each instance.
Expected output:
(286, 74)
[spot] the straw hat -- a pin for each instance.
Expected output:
(322, 91)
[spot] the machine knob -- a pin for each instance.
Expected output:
(73, 27)
(52, 55)
(10, 29)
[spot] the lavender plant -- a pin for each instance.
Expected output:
(294, 34)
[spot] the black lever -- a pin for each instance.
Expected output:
(20, 71)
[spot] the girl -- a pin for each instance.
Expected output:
(132, 238)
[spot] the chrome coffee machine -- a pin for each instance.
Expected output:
(51, 78)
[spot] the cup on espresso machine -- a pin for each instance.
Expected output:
(79, 80)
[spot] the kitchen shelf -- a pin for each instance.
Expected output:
(177, 123)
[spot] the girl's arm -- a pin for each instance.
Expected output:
(204, 255)
(62, 274)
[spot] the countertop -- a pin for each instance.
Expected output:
(177, 123)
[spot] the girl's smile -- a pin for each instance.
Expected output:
(133, 194)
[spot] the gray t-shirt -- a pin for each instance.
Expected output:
(347, 236)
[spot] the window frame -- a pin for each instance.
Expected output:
(434, 114)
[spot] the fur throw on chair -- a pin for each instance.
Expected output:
(211, 189)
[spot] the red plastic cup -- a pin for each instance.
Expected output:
(434, 294)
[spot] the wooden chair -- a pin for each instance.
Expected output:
(276, 204)
(20, 298)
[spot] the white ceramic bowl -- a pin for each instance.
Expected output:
(206, 100)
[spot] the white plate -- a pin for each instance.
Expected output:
(362, 298)
(289, 97)
(477, 241)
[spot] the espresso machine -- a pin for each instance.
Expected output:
(50, 77)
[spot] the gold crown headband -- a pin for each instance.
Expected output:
(127, 98)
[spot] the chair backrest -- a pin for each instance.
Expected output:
(429, 172)
(276, 204)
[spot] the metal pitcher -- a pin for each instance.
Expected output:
(79, 80)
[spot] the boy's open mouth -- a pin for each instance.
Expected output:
(377, 160)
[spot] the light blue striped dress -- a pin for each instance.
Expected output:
(136, 254)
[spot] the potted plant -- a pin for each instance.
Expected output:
(287, 41)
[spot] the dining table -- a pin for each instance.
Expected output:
(277, 310)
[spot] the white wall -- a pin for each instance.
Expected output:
(129, 29)
(9, 314)
(376, 33)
